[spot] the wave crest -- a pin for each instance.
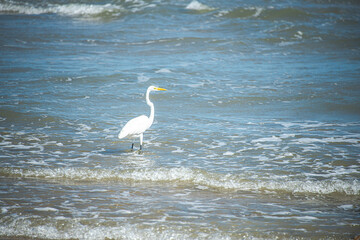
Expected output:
(73, 9)
(197, 6)
(190, 177)
(270, 14)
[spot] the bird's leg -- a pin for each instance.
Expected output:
(132, 146)
(141, 140)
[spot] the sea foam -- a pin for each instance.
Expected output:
(191, 177)
(77, 229)
(195, 5)
(66, 9)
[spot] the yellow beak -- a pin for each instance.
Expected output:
(160, 89)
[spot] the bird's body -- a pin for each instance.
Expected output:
(136, 127)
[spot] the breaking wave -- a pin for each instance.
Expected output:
(197, 6)
(191, 177)
(72, 9)
(83, 230)
(266, 13)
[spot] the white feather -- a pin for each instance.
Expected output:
(137, 126)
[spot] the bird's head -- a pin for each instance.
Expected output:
(152, 88)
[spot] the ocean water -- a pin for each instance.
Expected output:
(257, 137)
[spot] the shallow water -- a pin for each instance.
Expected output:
(257, 137)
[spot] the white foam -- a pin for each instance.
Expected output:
(183, 140)
(19, 146)
(23, 226)
(351, 140)
(46, 209)
(178, 150)
(268, 139)
(4, 210)
(346, 206)
(306, 218)
(228, 153)
(315, 124)
(66, 9)
(193, 177)
(195, 5)
(196, 85)
(222, 13)
(84, 127)
(283, 43)
(285, 135)
(299, 35)
(163, 70)
(35, 162)
(218, 144)
(82, 9)
(142, 78)
(300, 218)
(287, 124)
(258, 11)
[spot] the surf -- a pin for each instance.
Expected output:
(190, 178)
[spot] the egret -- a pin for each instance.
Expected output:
(136, 127)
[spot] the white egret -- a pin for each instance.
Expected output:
(137, 126)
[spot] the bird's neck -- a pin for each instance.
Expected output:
(151, 105)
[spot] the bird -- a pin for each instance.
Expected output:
(136, 127)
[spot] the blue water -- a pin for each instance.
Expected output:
(257, 137)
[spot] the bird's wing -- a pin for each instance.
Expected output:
(135, 127)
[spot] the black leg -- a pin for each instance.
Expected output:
(132, 146)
